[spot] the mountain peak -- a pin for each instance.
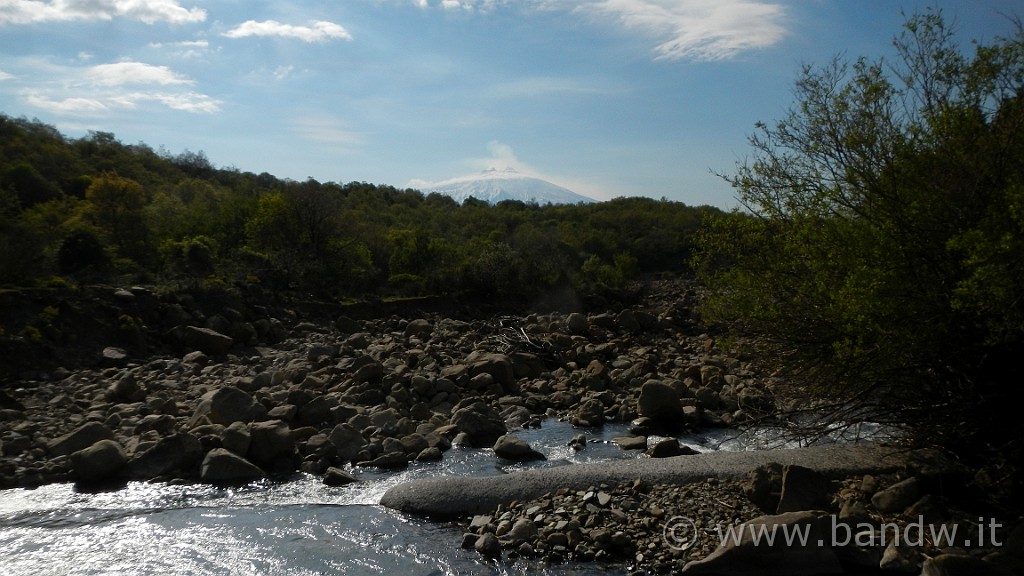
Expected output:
(495, 185)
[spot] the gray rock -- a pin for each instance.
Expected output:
(418, 328)
(627, 321)
(170, 455)
(764, 486)
(431, 454)
(524, 530)
(631, 442)
(347, 441)
(125, 389)
(338, 477)
(803, 489)
(270, 442)
(589, 413)
(221, 466)
(897, 497)
(514, 448)
(206, 340)
(577, 323)
(488, 545)
(226, 405)
(387, 460)
(497, 365)
(660, 403)
(112, 356)
(757, 557)
(897, 558)
(236, 437)
(480, 425)
(80, 438)
(98, 462)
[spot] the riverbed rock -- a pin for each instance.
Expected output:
(337, 477)
(750, 556)
(80, 438)
(207, 340)
(480, 425)
(897, 497)
(226, 405)
(101, 461)
(803, 489)
(173, 454)
(271, 442)
(514, 448)
(660, 403)
(347, 441)
(221, 466)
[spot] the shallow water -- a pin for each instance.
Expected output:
(297, 526)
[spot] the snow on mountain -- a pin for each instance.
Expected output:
(495, 185)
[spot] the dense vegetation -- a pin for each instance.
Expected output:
(95, 210)
(881, 254)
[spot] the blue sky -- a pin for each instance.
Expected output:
(606, 97)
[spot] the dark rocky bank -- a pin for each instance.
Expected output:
(117, 384)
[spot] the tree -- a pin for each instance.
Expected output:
(881, 256)
(115, 204)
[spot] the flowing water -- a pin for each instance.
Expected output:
(296, 527)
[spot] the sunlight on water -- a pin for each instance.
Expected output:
(300, 526)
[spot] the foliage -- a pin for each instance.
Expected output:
(881, 252)
(98, 210)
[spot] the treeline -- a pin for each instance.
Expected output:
(95, 209)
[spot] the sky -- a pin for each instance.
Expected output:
(608, 98)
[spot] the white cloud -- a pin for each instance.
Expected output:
(107, 88)
(121, 73)
(318, 31)
(5, 76)
(148, 11)
(698, 29)
(681, 29)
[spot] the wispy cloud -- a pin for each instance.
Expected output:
(106, 88)
(121, 73)
(697, 29)
(681, 29)
(5, 76)
(318, 31)
(148, 11)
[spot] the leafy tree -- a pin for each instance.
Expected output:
(881, 254)
(115, 204)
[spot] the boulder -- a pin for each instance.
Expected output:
(668, 448)
(577, 323)
(226, 405)
(631, 442)
(589, 413)
(751, 555)
(488, 545)
(80, 438)
(98, 462)
(237, 438)
(388, 460)
(270, 442)
(170, 455)
(338, 477)
(111, 356)
(221, 466)
(479, 424)
(497, 365)
(418, 328)
(898, 497)
(659, 402)
(764, 486)
(514, 448)
(347, 441)
(803, 489)
(207, 340)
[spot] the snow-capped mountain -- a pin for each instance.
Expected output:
(495, 185)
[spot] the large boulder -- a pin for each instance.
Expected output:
(803, 489)
(479, 424)
(347, 441)
(514, 448)
(271, 443)
(206, 340)
(660, 403)
(898, 497)
(499, 366)
(100, 461)
(222, 466)
(751, 553)
(78, 439)
(170, 455)
(226, 405)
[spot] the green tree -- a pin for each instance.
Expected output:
(881, 253)
(115, 204)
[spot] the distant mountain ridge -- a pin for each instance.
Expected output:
(495, 185)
